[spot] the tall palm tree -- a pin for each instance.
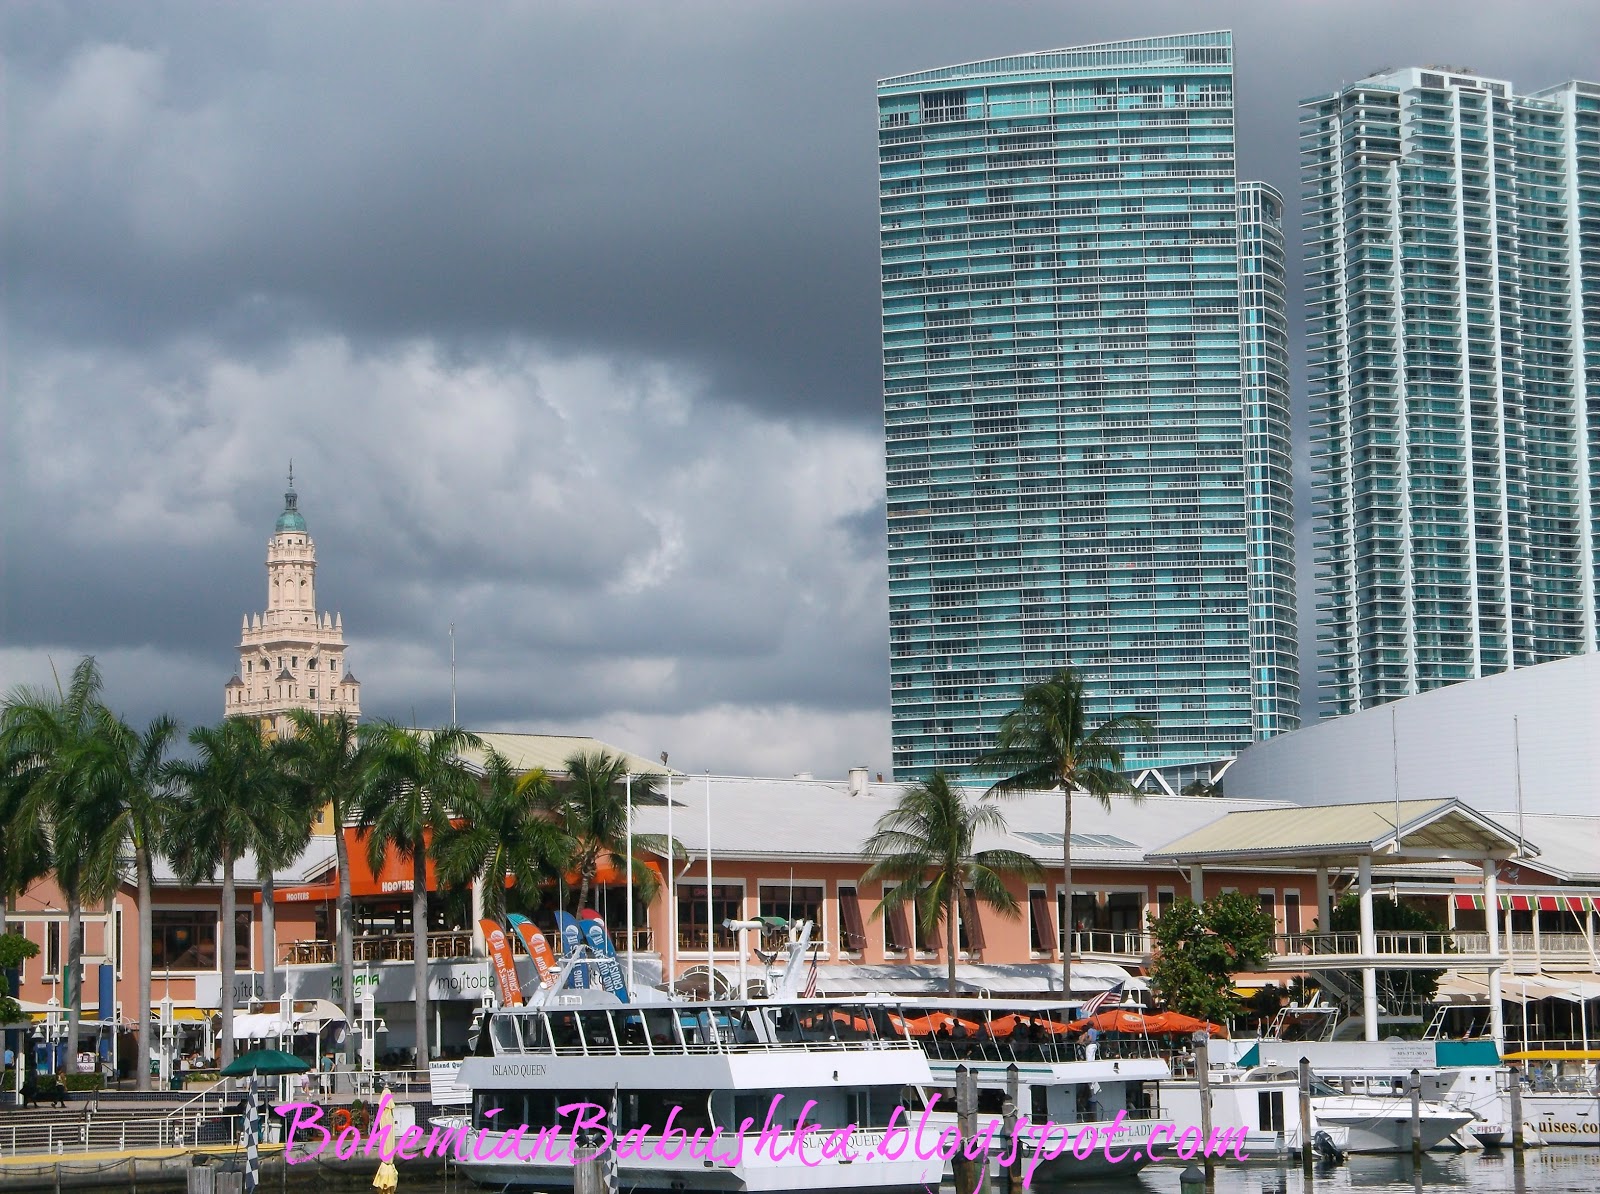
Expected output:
(327, 762)
(501, 829)
(222, 793)
(130, 784)
(592, 808)
(925, 845)
(280, 829)
(415, 780)
(24, 844)
(45, 740)
(1045, 743)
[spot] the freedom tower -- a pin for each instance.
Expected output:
(1085, 403)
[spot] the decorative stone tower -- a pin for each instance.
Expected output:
(292, 656)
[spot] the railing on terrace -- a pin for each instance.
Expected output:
(389, 947)
(1114, 942)
(1384, 942)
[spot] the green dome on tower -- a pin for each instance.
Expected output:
(291, 519)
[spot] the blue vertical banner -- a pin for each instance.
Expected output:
(594, 931)
(572, 942)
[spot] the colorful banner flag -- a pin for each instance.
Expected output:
(572, 942)
(505, 966)
(252, 1137)
(544, 958)
(609, 973)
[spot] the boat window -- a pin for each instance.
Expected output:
(564, 1032)
(631, 1025)
(1323, 1091)
(598, 1034)
(504, 1030)
(486, 1101)
(662, 1025)
(534, 1038)
(816, 1023)
(853, 1024)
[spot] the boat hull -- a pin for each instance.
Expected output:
(668, 1165)
(1380, 1130)
(1563, 1118)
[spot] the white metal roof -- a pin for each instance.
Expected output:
(1387, 832)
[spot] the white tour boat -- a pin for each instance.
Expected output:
(677, 1081)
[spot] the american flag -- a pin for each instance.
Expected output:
(1109, 995)
(252, 1138)
(811, 980)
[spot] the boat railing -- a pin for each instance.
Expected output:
(707, 1048)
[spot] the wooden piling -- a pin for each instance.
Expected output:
(1013, 1094)
(1202, 1073)
(1518, 1140)
(1307, 1148)
(969, 1174)
(1415, 1083)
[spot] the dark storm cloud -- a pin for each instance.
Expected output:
(568, 313)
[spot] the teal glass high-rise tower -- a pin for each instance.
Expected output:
(1086, 403)
(1453, 288)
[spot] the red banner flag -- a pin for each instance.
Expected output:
(505, 967)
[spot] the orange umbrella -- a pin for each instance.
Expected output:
(1134, 1023)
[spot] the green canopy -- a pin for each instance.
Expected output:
(265, 1061)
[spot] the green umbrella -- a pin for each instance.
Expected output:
(265, 1061)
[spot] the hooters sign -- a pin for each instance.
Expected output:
(505, 967)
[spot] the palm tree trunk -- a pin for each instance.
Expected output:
(419, 947)
(585, 873)
(73, 995)
(141, 864)
(5, 908)
(1066, 881)
(347, 915)
(269, 941)
(950, 942)
(227, 950)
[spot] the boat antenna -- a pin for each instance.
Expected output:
(1516, 755)
(452, 673)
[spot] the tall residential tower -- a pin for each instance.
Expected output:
(1453, 288)
(1086, 402)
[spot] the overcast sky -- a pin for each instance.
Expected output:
(566, 313)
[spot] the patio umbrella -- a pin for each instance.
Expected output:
(265, 1061)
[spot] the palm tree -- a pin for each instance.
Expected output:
(500, 829)
(925, 846)
(592, 808)
(24, 845)
(129, 778)
(327, 763)
(280, 829)
(415, 779)
(223, 795)
(1045, 743)
(45, 739)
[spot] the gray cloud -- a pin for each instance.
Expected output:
(568, 314)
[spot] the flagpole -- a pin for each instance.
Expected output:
(711, 928)
(672, 899)
(629, 900)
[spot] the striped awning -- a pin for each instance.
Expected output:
(1575, 904)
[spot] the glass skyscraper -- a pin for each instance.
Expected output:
(1086, 402)
(1453, 288)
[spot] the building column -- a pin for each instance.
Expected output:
(480, 945)
(1197, 884)
(1369, 947)
(1324, 906)
(1491, 909)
